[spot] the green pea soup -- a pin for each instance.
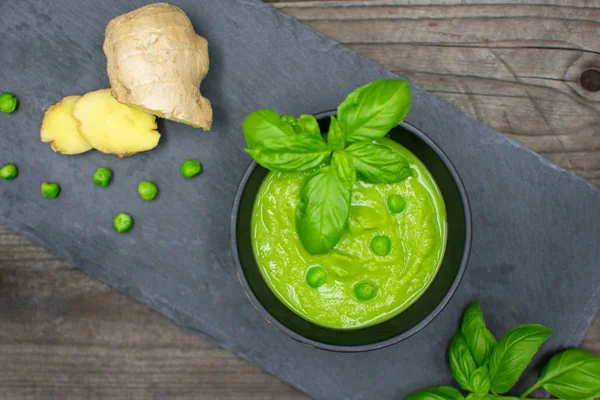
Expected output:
(387, 258)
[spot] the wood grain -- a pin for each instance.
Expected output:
(513, 64)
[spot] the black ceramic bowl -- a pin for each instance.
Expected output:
(405, 324)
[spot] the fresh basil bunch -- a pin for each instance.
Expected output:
(488, 369)
(349, 152)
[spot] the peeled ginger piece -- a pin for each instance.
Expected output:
(60, 129)
(112, 127)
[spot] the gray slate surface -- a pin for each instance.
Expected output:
(536, 227)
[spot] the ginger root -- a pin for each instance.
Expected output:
(112, 127)
(60, 129)
(156, 63)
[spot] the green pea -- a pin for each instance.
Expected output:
(50, 190)
(316, 276)
(381, 245)
(396, 203)
(103, 177)
(8, 102)
(147, 190)
(191, 168)
(365, 291)
(122, 223)
(9, 171)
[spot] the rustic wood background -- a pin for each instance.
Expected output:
(527, 68)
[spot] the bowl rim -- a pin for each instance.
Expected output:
(387, 342)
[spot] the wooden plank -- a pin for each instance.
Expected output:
(451, 3)
(513, 64)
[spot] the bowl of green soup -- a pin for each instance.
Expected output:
(398, 263)
(351, 230)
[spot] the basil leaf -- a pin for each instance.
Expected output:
(345, 169)
(512, 354)
(436, 393)
(262, 126)
(480, 340)
(572, 374)
(371, 111)
(475, 396)
(335, 137)
(480, 380)
(461, 361)
(296, 152)
(307, 124)
(322, 214)
(284, 143)
(265, 125)
(378, 163)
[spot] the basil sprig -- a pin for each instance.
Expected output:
(286, 144)
(488, 369)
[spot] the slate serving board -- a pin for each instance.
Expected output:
(536, 227)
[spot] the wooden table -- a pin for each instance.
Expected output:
(528, 68)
